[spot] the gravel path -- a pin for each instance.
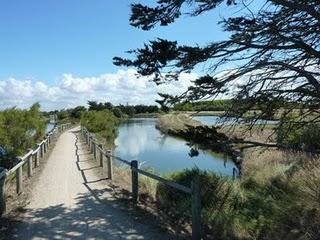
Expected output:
(70, 201)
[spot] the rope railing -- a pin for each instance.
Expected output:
(32, 159)
(194, 191)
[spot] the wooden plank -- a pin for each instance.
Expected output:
(165, 181)
(26, 155)
(21, 162)
(121, 160)
(36, 150)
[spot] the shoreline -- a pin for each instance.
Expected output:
(195, 132)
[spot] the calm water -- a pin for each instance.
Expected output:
(138, 139)
(49, 127)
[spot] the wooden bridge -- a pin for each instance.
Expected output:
(71, 198)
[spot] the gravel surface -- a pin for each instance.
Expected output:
(71, 201)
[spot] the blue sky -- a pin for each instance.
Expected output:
(43, 40)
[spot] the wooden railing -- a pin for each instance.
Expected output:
(32, 159)
(194, 191)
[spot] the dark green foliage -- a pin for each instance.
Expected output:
(214, 105)
(102, 122)
(19, 130)
(128, 110)
(63, 115)
(117, 112)
(93, 105)
(77, 112)
(121, 110)
(305, 137)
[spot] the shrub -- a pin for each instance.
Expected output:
(102, 122)
(19, 130)
(306, 137)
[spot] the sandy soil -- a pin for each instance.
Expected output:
(70, 201)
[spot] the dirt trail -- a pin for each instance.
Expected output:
(70, 202)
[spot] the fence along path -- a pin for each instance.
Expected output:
(32, 160)
(71, 201)
(98, 152)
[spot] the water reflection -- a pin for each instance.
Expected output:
(139, 139)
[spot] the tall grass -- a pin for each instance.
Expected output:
(276, 201)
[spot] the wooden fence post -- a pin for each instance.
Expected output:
(90, 143)
(196, 209)
(19, 179)
(36, 157)
(41, 150)
(135, 182)
(94, 149)
(109, 163)
(3, 172)
(44, 148)
(101, 156)
(30, 165)
(48, 144)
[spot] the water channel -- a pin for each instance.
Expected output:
(138, 139)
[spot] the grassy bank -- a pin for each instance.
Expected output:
(277, 198)
(175, 123)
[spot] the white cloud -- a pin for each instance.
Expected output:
(120, 87)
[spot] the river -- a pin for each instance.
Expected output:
(49, 127)
(138, 139)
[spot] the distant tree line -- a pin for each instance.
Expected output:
(119, 111)
(214, 105)
(227, 106)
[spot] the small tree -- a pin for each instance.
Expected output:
(19, 130)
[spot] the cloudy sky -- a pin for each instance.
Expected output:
(60, 52)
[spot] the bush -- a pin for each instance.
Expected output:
(19, 130)
(102, 122)
(306, 137)
(117, 112)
